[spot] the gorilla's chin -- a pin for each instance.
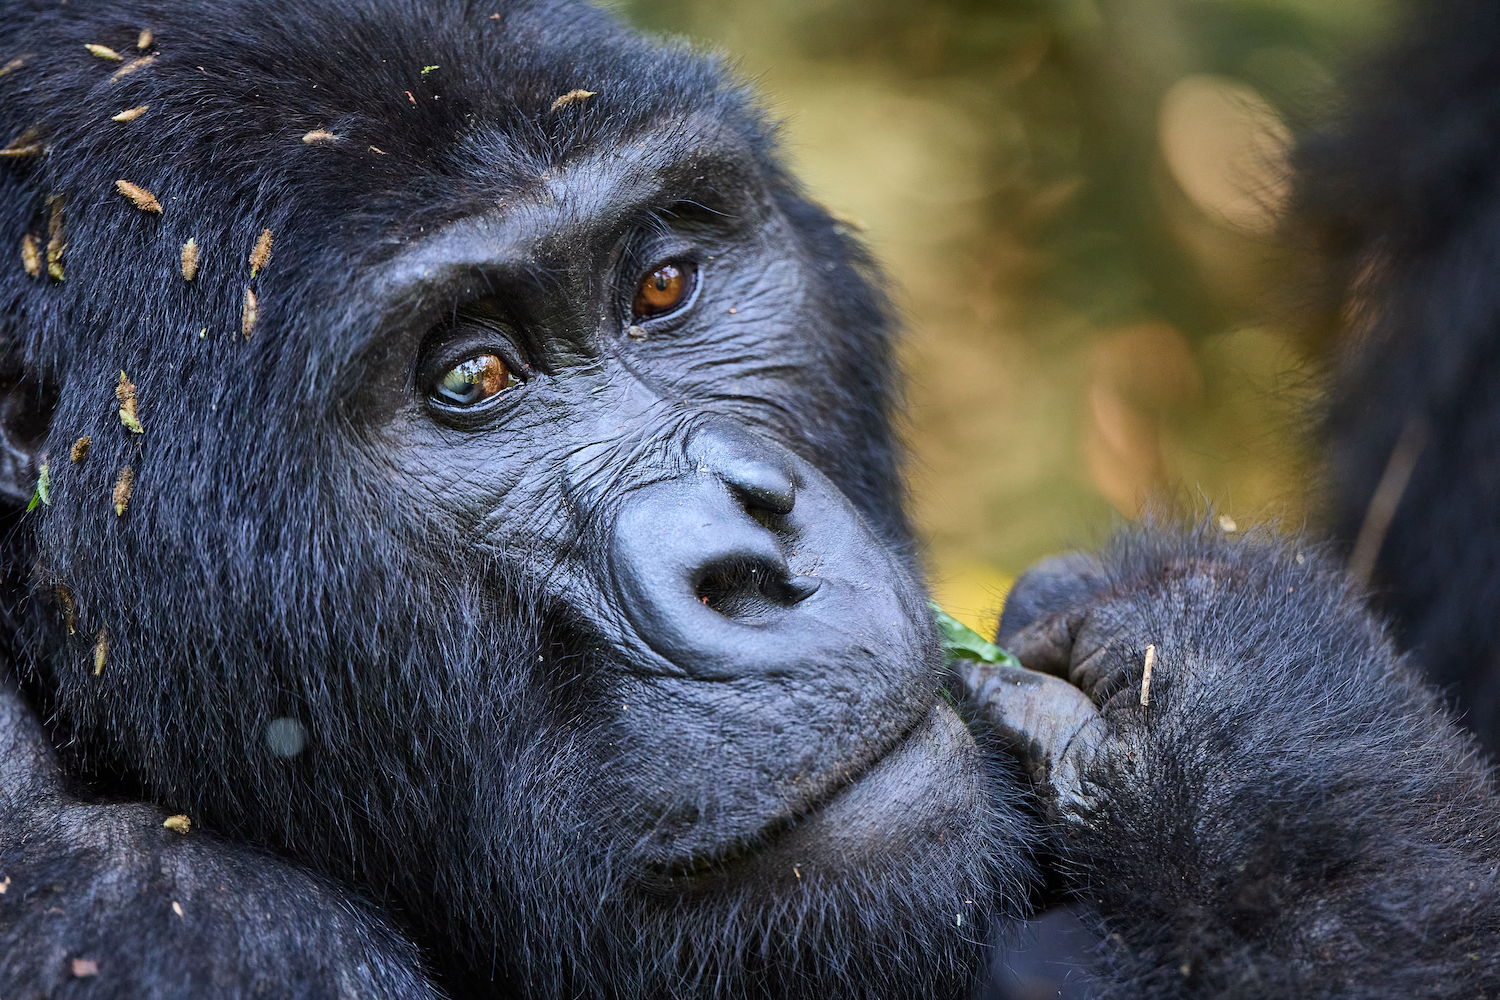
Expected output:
(895, 879)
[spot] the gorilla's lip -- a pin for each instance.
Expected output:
(740, 859)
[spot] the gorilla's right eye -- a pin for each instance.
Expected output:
(664, 289)
(473, 381)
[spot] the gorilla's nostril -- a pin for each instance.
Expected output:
(750, 589)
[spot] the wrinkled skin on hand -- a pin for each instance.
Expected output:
(1046, 713)
(1083, 649)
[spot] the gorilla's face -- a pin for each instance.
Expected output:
(549, 504)
(597, 389)
(604, 411)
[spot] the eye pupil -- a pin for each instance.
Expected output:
(474, 381)
(663, 290)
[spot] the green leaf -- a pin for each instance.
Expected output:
(429, 69)
(44, 485)
(36, 501)
(962, 642)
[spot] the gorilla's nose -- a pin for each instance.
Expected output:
(700, 562)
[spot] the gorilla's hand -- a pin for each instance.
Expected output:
(1249, 824)
(1084, 640)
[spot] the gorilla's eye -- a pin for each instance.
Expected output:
(474, 381)
(664, 289)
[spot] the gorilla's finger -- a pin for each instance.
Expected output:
(1056, 584)
(1046, 645)
(1092, 671)
(1052, 727)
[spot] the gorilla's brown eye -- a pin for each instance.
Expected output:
(474, 381)
(663, 290)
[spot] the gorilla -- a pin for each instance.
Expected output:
(1401, 195)
(455, 547)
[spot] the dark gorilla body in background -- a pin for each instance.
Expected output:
(1403, 193)
(620, 683)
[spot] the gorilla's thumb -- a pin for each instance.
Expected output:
(1051, 727)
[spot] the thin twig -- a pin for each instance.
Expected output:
(1146, 675)
(1387, 495)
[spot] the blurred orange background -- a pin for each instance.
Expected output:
(1077, 201)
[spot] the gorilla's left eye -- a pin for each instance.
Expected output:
(474, 381)
(664, 289)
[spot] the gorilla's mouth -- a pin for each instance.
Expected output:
(925, 786)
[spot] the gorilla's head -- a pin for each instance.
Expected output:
(521, 540)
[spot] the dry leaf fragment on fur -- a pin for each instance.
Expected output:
(28, 143)
(139, 196)
(130, 114)
(85, 967)
(56, 241)
(250, 313)
(101, 651)
(123, 486)
(13, 65)
(178, 824)
(143, 41)
(131, 67)
(31, 255)
(125, 393)
(572, 97)
(104, 52)
(261, 253)
(70, 613)
(190, 259)
(320, 135)
(176, 906)
(81, 448)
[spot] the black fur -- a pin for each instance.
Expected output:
(622, 684)
(1402, 193)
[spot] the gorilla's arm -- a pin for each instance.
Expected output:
(1292, 814)
(102, 900)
